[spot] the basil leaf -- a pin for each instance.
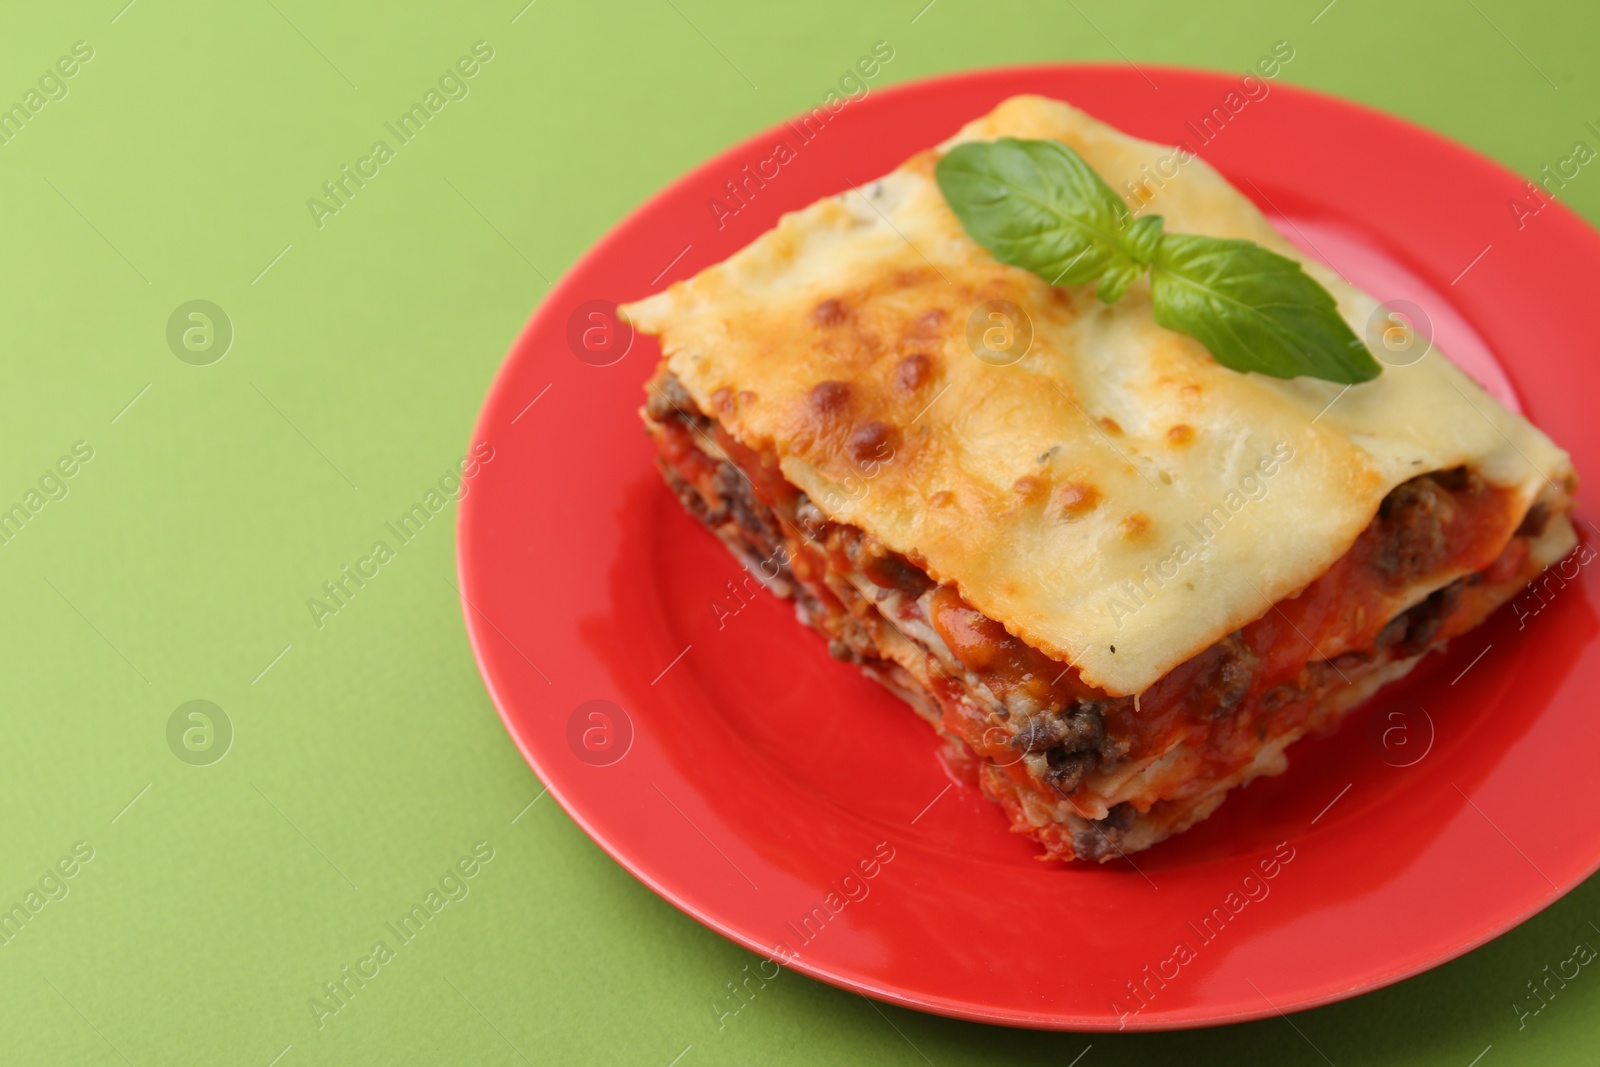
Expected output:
(1143, 235)
(1254, 310)
(1037, 205)
(1116, 280)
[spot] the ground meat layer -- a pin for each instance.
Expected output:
(1057, 754)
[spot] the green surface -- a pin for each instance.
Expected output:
(367, 760)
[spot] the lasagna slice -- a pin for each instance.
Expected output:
(1125, 577)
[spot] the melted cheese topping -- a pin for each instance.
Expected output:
(1114, 497)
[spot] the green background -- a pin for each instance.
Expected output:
(368, 759)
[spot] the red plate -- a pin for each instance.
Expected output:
(705, 740)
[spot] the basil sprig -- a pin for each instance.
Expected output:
(1037, 205)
